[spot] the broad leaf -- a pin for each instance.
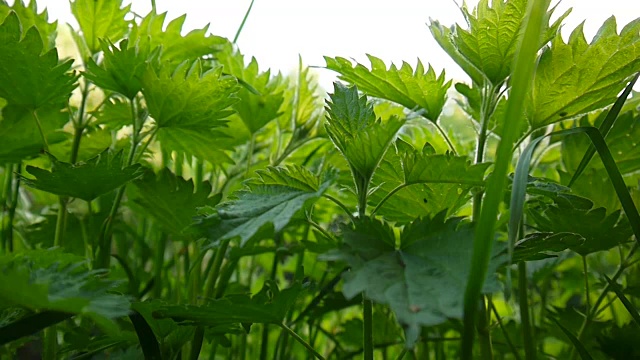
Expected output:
(353, 128)
(487, 48)
(101, 20)
(122, 67)
(85, 180)
(270, 200)
(573, 214)
(417, 90)
(269, 306)
(171, 200)
(176, 48)
(255, 110)
(578, 77)
(28, 77)
(422, 279)
(51, 280)
(189, 104)
(27, 11)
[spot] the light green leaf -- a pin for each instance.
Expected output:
(176, 48)
(27, 11)
(270, 200)
(423, 278)
(51, 280)
(353, 128)
(85, 180)
(487, 48)
(188, 106)
(417, 90)
(171, 200)
(101, 20)
(578, 77)
(255, 110)
(29, 77)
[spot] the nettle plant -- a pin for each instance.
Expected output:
(164, 198)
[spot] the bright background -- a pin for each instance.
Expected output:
(394, 30)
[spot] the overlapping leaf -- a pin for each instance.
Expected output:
(579, 77)
(540, 245)
(353, 128)
(101, 20)
(422, 279)
(41, 280)
(487, 48)
(27, 11)
(423, 183)
(271, 200)
(85, 180)
(576, 215)
(176, 48)
(188, 105)
(417, 90)
(171, 200)
(28, 77)
(255, 110)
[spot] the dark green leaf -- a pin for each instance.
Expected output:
(633, 311)
(148, 341)
(30, 325)
(584, 353)
(538, 246)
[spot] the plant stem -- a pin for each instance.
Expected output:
(244, 20)
(42, 135)
(301, 341)
(10, 194)
(484, 330)
(513, 348)
(252, 144)
(159, 264)
(523, 300)
(50, 343)
(61, 220)
(367, 315)
(445, 137)
(586, 286)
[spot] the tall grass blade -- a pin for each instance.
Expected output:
(584, 353)
(30, 325)
(633, 311)
(605, 127)
(148, 341)
(524, 67)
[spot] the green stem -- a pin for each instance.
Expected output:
(340, 205)
(42, 135)
(484, 330)
(367, 315)
(445, 137)
(507, 337)
(244, 20)
(294, 335)
(50, 346)
(159, 265)
(525, 316)
(11, 193)
(60, 222)
(252, 144)
(586, 285)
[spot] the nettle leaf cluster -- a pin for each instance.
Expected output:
(164, 197)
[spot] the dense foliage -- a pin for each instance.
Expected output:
(165, 198)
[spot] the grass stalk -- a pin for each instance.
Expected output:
(525, 313)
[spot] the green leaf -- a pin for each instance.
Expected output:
(148, 341)
(27, 11)
(412, 183)
(101, 20)
(28, 77)
(541, 245)
(30, 325)
(633, 311)
(422, 279)
(188, 106)
(255, 110)
(269, 306)
(50, 280)
(353, 128)
(578, 77)
(114, 114)
(171, 200)
(270, 200)
(176, 48)
(584, 353)
(85, 180)
(417, 90)
(620, 343)
(573, 214)
(486, 50)
(122, 67)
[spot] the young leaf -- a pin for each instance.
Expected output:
(415, 90)
(171, 200)
(486, 50)
(269, 306)
(86, 181)
(122, 67)
(423, 280)
(255, 110)
(271, 199)
(27, 11)
(152, 33)
(353, 128)
(28, 77)
(101, 20)
(188, 105)
(51, 280)
(578, 77)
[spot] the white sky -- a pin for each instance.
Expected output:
(394, 30)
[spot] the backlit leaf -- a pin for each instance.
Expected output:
(101, 20)
(27, 11)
